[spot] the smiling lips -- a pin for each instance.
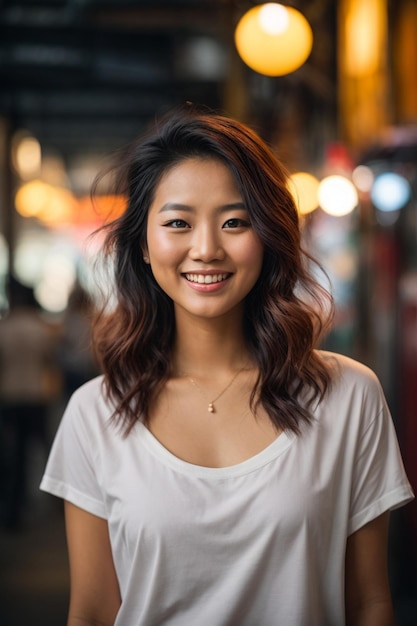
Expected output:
(206, 279)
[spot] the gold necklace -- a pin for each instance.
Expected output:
(211, 408)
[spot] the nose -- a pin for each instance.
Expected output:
(206, 244)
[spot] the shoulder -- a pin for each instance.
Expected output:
(347, 371)
(92, 390)
(90, 404)
(353, 415)
(354, 386)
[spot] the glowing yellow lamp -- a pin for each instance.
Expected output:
(273, 39)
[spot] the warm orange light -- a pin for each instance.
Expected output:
(59, 209)
(56, 206)
(365, 35)
(101, 209)
(304, 188)
(52, 205)
(273, 39)
(32, 198)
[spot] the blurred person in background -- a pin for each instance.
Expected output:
(222, 471)
(26, 363)
(75, 357)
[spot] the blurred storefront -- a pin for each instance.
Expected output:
(378, 116)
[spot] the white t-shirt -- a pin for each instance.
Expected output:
(260, 543)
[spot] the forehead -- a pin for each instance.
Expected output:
(197, 175)
(200, 166)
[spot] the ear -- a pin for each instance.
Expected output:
(145, 254)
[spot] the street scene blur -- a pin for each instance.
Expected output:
(331, 85)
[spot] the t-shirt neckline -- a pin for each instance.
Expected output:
(277, 447)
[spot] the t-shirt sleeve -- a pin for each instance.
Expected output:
(71, 470)
(379, 479)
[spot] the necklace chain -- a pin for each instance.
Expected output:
(211, 408)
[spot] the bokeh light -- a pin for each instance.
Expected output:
(58, 279)
(26, 155)
(390, 192)
(363, 178)
(48, 263)
(337, 195)
(304, 188)
(273, 18)
(52, 205)
(273, 39)
(32, 197)
(365, 31)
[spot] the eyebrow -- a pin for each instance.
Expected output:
(175, 206)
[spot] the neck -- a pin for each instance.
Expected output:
(207, 346)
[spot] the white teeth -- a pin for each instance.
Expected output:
(206, 279)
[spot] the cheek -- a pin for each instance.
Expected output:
(253, 253)
(159, 246)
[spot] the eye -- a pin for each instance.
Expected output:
(236, 223)
(177, 224)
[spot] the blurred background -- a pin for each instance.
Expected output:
(80, 79)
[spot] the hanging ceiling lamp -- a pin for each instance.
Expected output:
(273, 39)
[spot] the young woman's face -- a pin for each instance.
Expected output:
(201, 246)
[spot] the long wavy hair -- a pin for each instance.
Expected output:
(285, 314)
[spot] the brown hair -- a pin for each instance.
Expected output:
(285, 313)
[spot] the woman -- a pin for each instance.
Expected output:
(223, 471)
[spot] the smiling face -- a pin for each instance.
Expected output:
(201, 246)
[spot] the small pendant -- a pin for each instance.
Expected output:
(210, 408)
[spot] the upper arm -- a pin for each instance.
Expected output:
(95, 595)
(368, 597)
